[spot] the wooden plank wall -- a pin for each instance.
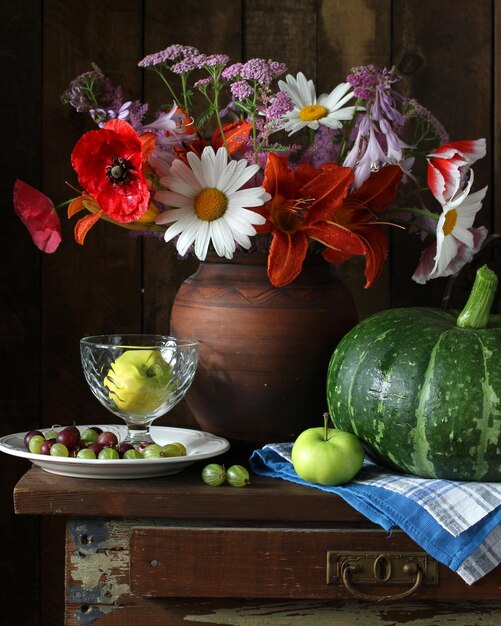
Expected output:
(446, 52)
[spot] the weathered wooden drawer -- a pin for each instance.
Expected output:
(288, 563)
(156, 572)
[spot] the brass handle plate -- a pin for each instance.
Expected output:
(412, 569)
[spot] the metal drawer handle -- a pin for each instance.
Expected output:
(409, 568)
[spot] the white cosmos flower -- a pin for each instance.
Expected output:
(311, 111)
(210, 204)
(454, 230)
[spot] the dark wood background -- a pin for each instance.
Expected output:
(447, 54)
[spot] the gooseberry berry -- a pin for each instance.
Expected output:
(213, 474)
(237, 476)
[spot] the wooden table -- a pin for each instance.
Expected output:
(172, 550)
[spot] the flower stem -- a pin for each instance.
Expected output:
(477, 310)
(216, 88)
(413, 210)
(185, 96)
(167, 84)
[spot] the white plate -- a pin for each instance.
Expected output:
(199, 445)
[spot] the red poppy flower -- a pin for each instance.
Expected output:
(38, 214)
(359, 212)
(302, 200)
(109, 164)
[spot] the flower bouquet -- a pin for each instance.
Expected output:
(245, 157)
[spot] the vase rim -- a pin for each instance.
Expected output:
(259, 258)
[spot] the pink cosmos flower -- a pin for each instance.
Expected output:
(38, 214)
(449, 164)
(456, 239)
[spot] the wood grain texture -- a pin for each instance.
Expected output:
(95, 288)
(346, 39)
(182, 496)
(232, 612)
(20, 292)
(445, 58)
(211, 27)
(450, 60)
(285, 562)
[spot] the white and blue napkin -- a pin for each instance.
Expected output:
(457, 523)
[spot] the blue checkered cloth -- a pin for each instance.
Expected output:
(457, 523)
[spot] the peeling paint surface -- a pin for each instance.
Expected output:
(96, 572)
(98, 562)
(353, 614)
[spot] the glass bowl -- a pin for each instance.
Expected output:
(138, 377)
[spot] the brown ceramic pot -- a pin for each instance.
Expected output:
(264, 351)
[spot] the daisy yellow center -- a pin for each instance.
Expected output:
(312, 112)
(450, 221)
(210, 204)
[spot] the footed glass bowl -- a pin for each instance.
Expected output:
(138, 377)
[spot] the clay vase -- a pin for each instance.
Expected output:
(264, 351)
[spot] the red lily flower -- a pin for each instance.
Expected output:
(235, 134)
(359, 212)
(38, 214)
(109, 164)
(302, 201)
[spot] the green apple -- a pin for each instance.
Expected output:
(327, 456)
(139, 381)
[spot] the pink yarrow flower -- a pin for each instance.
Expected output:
(172, 53)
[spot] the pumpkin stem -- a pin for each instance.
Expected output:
(477, 310)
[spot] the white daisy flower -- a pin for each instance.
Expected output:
(210, 204)
(454, 228)
(311, 111)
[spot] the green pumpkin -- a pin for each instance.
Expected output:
(421, 387)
